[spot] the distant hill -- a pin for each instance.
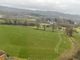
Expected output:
(23, 13)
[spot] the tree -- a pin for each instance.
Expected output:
(53, 27)
(38, 23)
(25, 23)
(9, 21)
(15, 21)
(56, 20)
(70, 21)
(69, 31)
(44, 27)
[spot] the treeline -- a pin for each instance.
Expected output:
(24, 22)
(43, 23)
(56, 24)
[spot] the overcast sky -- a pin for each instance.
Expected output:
(67, 6)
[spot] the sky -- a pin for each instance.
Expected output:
(65, 6)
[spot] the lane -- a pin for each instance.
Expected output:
(59, 43)
(68, 54)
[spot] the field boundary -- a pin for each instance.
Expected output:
(68, 54)
(57, 45)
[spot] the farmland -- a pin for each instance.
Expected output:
(26, 42)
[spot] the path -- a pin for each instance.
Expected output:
(68, 54)
(59, 42)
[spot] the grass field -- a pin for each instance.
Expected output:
(26, 42)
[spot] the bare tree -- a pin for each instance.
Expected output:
(44, 27)
(53, 26)
(38, 23)
(69, 31)
(9, 21)
(25, 23)
(15, 21)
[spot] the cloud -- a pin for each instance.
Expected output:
(67, 6)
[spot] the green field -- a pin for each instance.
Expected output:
(29, 43)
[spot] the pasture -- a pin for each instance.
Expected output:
(26, 42)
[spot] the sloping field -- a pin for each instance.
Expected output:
(77, 35)
(26, 42)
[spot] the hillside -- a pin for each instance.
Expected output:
(23, 13)
(26, 42)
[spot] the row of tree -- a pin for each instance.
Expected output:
(54, 24)
(17, 22)
(57, 25)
